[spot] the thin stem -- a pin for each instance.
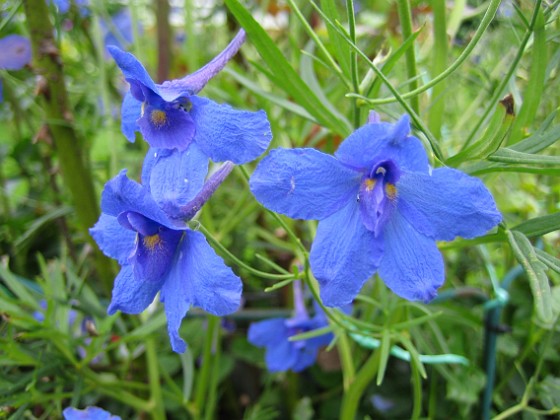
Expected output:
(213, 388)
(405, 17)
(352, 396)
(345, 353)
(158, 411)
(204, 376)
(437, 105)
(353, 60)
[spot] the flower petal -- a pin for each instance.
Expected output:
(200, 278)
(447, 204)
(132, 295)
(193, 83)
(114, 240)
(16, 52)
(268, 332)
(166, 126)
(89, 413)
(380, 141)
(344, 255)
(225, 133)
(122, 195)
(412, 266)
(303, 183)
(131, 110)
(175, 178)
(131, 67)
(281, 357)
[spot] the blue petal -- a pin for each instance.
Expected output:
(200, 278)
(90, 413)
(16, 52)
(167, 126)
(281, 357)
(344, 255)
(131, 67)
(194, 82)
(132, 295)
(303, 183)
(268, 332)
(306, 357)
(114, 240)
(225, 133)
(412, 266)
(130, 112)
(447, 204)
(121, 195)
(381, 141)
(175, 178)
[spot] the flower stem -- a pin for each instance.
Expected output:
(353, 60)
(405, 17)
(204, 375)
(353, 394)
(158, 410)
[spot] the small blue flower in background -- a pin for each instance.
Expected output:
(157, 251)
(89, 413)
(16, 54)
(381, 209)
(171, 116)
(63, 6)
(273, 334)
(118, 30)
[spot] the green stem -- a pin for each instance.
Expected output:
(352, 396)
(345, 353)
(405, 17)
(353, 60)
(437, 105)
(58, 116)
(158, 410)
(204, 376)
(213, 388)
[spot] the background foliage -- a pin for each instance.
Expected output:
(316, 69)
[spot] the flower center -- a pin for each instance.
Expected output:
(158, 117)
(151, 241)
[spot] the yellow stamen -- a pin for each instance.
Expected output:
(158, 117)
(370, 183)
(390, 190)
(151, 241)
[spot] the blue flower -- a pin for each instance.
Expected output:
(90, 413)
(273, 334)
(16, 52)
(118, 30)
(171, 116)
(381, 209)
(157, 251)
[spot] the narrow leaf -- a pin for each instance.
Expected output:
(539, 225)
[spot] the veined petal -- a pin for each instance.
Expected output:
(131, 110)
(303, 183)
(132, 295)
(122, 195)
(16, 52)
(225, 133)
(131, 67)
(268, 332)
(200, 278)
(193, 83)
(447, 204)
(344, 255)
(114, 240)
(167, 127)
(176, 178)
(412, 266)
(380, 141)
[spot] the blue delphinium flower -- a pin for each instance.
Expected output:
(157, 251)
(273, 334)
(89, 413)
(16, 52)
(381, 208)
(171, 116)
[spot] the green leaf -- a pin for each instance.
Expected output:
(551, 262)
(535, 269)
(284, 75)
(16, 286)
(543, 137)
(384, 355)
(539, 225)
(506, 155)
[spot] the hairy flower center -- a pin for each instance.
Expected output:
(158, 117)
(391, 191)
(369, 184)
(151, 241)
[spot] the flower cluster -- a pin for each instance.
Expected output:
(145, 226)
